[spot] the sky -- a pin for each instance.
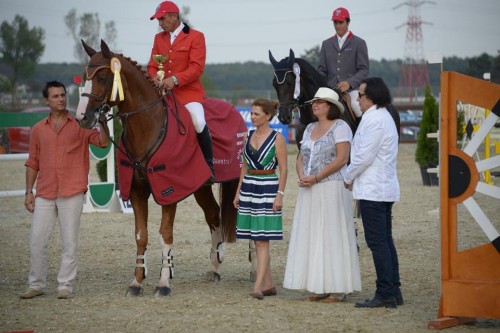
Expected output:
(245, 30)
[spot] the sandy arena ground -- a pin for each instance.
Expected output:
(107, 250)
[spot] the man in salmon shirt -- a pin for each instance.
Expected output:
(186, 51)
(59, 164)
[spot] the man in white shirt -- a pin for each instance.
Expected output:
(372, 176)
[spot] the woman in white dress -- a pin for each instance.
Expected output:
(322, 253)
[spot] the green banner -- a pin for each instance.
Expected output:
(100, 153)
(21, 119)
(101, 193)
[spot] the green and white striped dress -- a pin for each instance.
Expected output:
(256, 218)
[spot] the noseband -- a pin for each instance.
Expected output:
(105, 107)
(294, 104)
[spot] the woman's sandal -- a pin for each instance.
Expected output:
(334, 299)
(257, 294)
(317, 297)
(270, 292)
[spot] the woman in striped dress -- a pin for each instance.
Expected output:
(259, 197)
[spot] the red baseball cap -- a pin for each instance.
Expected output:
(340, 14)
(163, 8)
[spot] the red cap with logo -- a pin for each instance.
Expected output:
(163, 8)
(340, 14)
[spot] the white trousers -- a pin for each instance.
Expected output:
(198, 115)
(68, 212)
(354, 103)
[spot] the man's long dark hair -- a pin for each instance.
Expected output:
(377, 91)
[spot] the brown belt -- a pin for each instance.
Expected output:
(262, 172)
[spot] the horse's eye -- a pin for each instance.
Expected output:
(101, 78)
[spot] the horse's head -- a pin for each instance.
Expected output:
(97, 97)
(284, 82)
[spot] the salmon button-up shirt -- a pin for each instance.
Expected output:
(61, 159)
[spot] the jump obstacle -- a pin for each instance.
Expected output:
(470, 279)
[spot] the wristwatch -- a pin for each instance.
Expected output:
(176, 82)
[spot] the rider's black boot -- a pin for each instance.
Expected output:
(205, 142)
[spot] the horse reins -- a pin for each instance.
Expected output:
(295, 102)
(105, 108)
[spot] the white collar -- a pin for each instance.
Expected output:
(342, 39)
(177, 31)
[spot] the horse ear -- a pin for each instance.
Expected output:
(272, 60)
(90, 51)
(291, 58)
(105, 50)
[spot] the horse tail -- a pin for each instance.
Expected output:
(228, 213)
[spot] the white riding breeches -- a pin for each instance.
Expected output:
(354, 103)
(198, 115)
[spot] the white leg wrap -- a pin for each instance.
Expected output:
(252, 256)
(143, 265)
(217, 249)
(167, 264)
(135, 283)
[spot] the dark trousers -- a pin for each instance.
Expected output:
(377, 222)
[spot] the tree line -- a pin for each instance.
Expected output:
(21, 49)
(233, 81)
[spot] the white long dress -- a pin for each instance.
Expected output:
(322, 253)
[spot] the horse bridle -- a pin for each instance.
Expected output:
(105, 108)
(294, 104)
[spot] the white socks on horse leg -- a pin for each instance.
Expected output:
(167, 264)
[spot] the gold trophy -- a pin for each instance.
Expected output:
(160, 59)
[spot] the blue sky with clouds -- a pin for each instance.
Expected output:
(244, 30)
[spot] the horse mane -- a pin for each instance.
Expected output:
(318, 79)
(141, 69)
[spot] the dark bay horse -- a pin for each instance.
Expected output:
(296, 81)
(149, 120)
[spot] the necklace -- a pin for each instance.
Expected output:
(261, 135)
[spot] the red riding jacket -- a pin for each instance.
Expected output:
(186, 60)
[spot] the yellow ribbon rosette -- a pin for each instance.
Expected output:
(117, 88)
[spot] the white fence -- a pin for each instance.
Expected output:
(13, 157)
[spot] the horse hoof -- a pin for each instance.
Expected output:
(213, 276)
(162, 291)
(134, 291)
(253, 276)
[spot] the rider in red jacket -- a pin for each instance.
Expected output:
(186, 52)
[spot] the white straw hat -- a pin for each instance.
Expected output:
(328, 95)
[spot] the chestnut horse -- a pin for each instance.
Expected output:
(146, 117)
